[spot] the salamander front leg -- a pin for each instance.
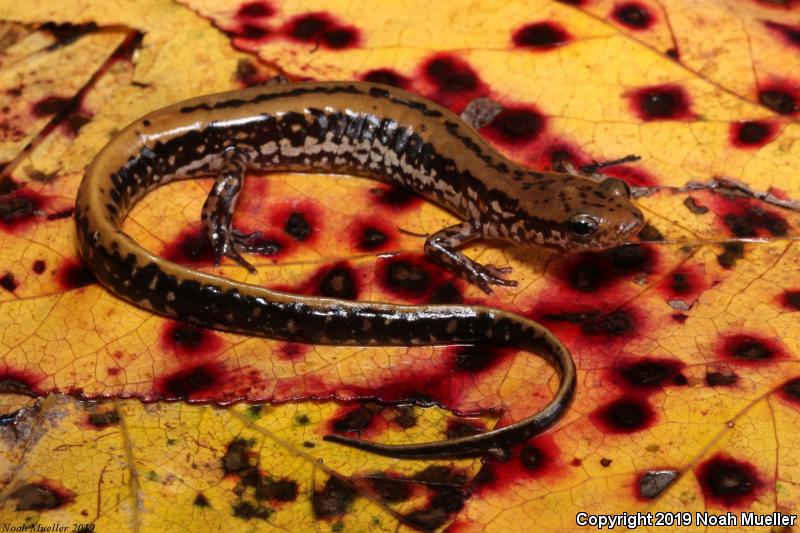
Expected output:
(441, 247)
(217, 215)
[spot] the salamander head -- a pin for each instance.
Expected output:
(581, 214)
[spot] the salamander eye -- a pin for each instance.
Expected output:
(582, 225)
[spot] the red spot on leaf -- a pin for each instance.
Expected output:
(791, 300)
(292, 351)
(515, 125)
(321, 29)
(371, 235)
(394, 197)
(648, 374)
(191, 247)
(748, 218)
(590, 272)
(453, 81)
(790, 34)
(299, 220)
(44, 495)
(629, 414)
(684, 285)
(339, 280)
(387, 77)
(74, 275)
(634, 15)
(750, 348)
(50, 105)
(188, 340)
(540, 35)
(195, 383)
(19, 209)
(410, 277)
(8, 282)
(536, 459)
(728, 482)
(258, 9)
(19, 382)
(781, 96)
(791, 391)
(661, 102)
(752, 133)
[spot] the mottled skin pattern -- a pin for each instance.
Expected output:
(359, 129)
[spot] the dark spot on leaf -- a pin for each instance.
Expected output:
(540, 35)
(780, 102)
(673, 53)
(201, 501)
(297, 227)
(792, 390)
(663, 102)
(473, 359)
(8, 282)
(407, 277)
(614, 324)
(680, 283)
(531, 458)
(650, 233)
(649, 372)
(7, 185)
(457, 429)
(39, 266)
(387, 77)
(321, 28)
(255, 10)
(605, 462)
(282, 490)
(187, 336)
(792, 299)
(390, 489)
(515, 125)
(451, 75)
(752, 133)
(447, 293)
(334, 499)
(371, 239)
(633, 15)
(356, 420)
(652, 484)
(40, 497)
(246, 510)
(748, 348)
(394, 197)
(744, 224)
(237, 457)
(50, 106)
(692, 205)
(721, 379)
(75, 275)
(252, 32)
(16, 207)
(104, 419)
(626, 415)
(728, 481)
(185, 383)
(339, 282)
(732, 252)
(191, 246)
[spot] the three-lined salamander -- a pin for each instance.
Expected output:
(359, 129)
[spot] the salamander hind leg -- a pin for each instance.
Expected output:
(217, 215)
(441, 247)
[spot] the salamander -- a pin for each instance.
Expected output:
(360, 129)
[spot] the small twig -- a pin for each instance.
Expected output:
(732, 187)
